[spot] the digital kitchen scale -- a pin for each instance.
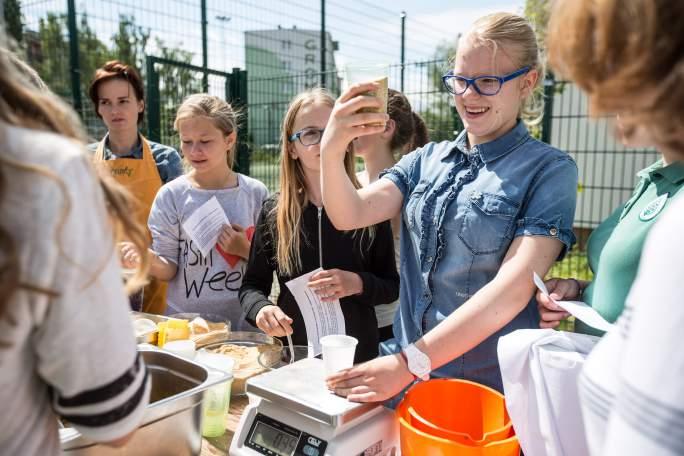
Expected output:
(291, 412)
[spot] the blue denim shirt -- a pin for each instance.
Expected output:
(462, 208)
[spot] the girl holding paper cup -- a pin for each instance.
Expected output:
(294, 236)
(405, 131)
(204, 260)
(479, 215)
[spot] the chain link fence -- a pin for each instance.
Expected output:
(260, 54)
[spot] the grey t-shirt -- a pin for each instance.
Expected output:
(203, 284)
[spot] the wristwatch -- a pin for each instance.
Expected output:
(418, 362)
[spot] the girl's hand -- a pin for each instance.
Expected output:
(559, 290)
(273, 321)
(346, 123)
(335, 284)
(130, 257)
(233, 240)
(372, 381)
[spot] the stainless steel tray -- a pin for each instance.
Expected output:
(172, 420)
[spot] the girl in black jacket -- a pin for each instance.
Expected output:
(294, 236)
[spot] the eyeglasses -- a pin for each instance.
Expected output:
(308, 136)
(484, 85)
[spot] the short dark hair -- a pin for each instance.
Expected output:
(114, 69)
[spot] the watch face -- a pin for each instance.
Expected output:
(418, 362)
(420, 365)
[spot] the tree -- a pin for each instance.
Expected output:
(130, 42)
(537, 12)
(11, 10)
(52, 63)
(439, 113)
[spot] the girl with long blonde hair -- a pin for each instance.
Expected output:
(479, 214)
(294, 236)
(63, 309)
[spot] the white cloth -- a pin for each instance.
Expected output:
(632, 385)
(539, 369)
(76, 352)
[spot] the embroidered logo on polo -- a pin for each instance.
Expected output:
(653, 208)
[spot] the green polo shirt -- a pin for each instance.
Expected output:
(614, 248)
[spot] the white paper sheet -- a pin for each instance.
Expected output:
(320, 318)
(577, 309)
(204, 225)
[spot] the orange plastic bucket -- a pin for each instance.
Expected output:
(452, 414)
(418, 443)
(424, 425)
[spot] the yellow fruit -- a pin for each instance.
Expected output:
(172, 330)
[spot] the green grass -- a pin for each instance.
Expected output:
(574, 265)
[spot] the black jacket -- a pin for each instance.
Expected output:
(372, 261)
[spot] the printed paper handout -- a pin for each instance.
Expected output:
(580, 310)
(204, 225)
(320, 318)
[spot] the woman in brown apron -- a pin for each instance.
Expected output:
(140, 165)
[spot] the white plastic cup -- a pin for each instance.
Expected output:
(338, 352)
(182, 348)
(369, 72)
(216, 403)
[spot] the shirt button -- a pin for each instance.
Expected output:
(553, 231)
(429, 259)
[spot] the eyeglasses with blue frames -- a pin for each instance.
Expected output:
(308, 136)
(484, 85)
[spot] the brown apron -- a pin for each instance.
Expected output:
(141, 178)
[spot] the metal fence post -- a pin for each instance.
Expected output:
(153, 101)
(549, 91)
(205, 57)
(236, 93)
(74, 63)
(403, 48)
(323, 44)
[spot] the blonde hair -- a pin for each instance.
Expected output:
(293, 197)
(513, 35)
(627, 56)
(218, 111)
(24, 103)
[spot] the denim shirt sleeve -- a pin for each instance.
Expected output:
(404, 174)
(168, 162)
(549, 209)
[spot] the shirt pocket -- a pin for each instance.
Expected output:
(487, 222)
(414, 207)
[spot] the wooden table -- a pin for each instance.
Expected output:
(219, 446)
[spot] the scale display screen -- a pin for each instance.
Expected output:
(279, 442)
(271, 437)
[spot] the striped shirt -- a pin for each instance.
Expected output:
(632, 385)
(72, 354)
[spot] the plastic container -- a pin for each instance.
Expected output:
(217, 398)
(414, 441)
(476, 423)
(338, 352)
(182, 348)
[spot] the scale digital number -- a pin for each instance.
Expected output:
(273, 438)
